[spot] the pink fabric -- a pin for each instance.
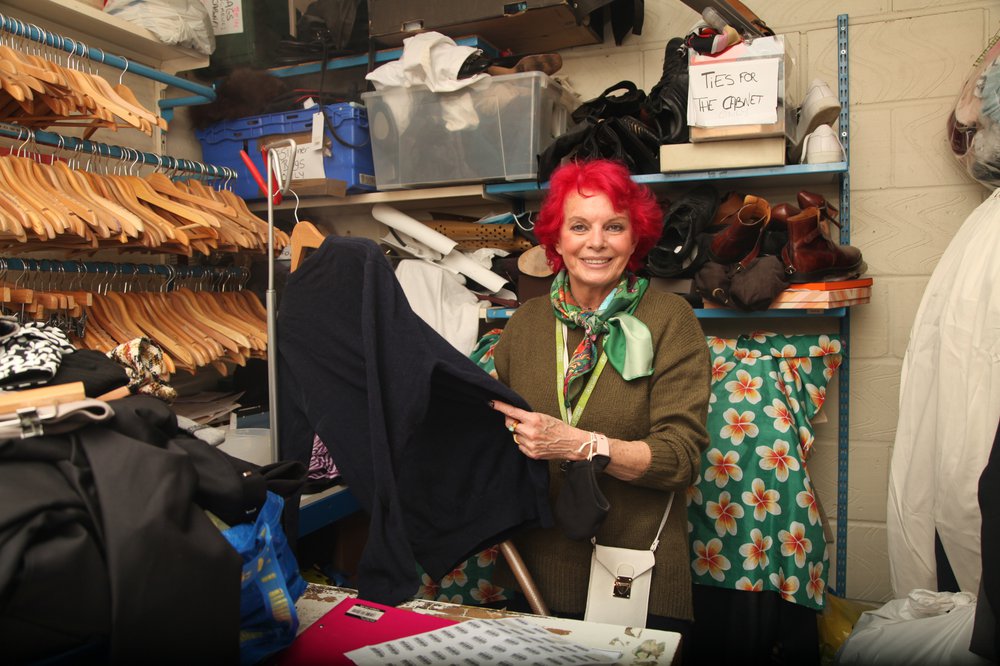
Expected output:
(321, 465)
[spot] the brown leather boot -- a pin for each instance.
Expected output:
(781, 213)
(827, 212)
(743, 234)
(810, 256)
(813, 199)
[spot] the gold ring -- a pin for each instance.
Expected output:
(512, 427)
(515, 440)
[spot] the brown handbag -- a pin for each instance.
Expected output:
(749, 284)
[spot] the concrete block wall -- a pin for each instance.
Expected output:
(908, 60)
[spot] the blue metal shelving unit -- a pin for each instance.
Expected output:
(844, 376)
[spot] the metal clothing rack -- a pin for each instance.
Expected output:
(129, 269)
(115, 152)
(271, 304)
(203, 94)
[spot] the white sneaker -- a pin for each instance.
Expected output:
(820, 106)
(822, 146)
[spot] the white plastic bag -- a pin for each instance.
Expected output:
(974, 125)
(925, 628)
(179, 22)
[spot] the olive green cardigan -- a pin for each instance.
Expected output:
(666, 410)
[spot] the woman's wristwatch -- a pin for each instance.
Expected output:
(601, 445)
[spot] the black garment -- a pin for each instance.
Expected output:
(98, 373)
(986, 629)
(101, 538)
(405, 416)
(750, 629)
(625, 15)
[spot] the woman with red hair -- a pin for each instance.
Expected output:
(643, 416)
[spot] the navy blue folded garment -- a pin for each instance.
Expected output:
(406, 417)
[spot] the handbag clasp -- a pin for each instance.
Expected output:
(623, 587)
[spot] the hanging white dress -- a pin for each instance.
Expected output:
(949, 407)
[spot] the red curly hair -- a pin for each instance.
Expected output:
(606, 177)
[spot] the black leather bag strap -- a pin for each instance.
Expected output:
(607, 105)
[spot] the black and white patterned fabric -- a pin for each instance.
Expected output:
(30, 355)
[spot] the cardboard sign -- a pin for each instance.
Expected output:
(227, 16)
(741, 92)
(308, 160)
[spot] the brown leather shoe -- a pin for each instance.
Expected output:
(810, 256)
(727, 210)
(743, 234)
(549, 63)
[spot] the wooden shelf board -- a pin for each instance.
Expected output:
(456, 195)
(81, 18)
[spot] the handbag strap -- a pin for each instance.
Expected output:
(659, 530)
(663, 521)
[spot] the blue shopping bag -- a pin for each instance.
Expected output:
(270, 584)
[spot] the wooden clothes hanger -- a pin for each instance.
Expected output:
(188, 351)
(305, 236)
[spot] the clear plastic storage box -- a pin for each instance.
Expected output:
(492, 130)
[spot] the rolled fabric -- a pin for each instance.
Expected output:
(453, 259)
(400, 221)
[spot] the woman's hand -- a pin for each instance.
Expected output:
(541, 436)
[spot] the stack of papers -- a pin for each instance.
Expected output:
(207, 408)
(362, 632)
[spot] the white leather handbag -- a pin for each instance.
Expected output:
(620, 581)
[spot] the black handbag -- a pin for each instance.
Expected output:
(581, 507)
(628, 102)
(607, 127)
(625, 139)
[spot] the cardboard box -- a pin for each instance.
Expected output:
(725, 84)
(735, 154)
(530, 26)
